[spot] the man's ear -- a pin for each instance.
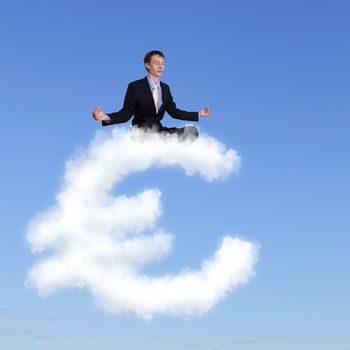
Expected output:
(147, 66)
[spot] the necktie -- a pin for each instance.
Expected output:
(155, 97)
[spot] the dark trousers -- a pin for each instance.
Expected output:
(185, 133)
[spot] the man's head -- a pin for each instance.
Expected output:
(154, 63)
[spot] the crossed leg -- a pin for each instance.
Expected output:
(185, 133)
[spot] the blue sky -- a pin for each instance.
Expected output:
(276, 74)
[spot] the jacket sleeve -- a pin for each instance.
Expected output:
(177, 113)
(128, 109)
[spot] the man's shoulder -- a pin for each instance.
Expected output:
(138, 81)
(164, 84)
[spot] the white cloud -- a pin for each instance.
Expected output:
(99, 241)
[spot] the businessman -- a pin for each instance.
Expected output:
(148, 99)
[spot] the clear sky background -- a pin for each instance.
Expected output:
(277, 75)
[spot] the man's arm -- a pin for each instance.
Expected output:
(184, 115)
(178, 113)
(123, 115)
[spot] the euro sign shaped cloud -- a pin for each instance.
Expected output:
(101, 242)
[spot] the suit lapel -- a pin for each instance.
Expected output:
(164, 95)
(148, 93)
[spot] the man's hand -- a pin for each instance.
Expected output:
(98, 115)
(205, 112)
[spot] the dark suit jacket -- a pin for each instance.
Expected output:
(138, 102)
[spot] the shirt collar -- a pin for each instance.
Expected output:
(151, 83)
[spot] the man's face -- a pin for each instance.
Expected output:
(156, 65)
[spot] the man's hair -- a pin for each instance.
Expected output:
(148, 56)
